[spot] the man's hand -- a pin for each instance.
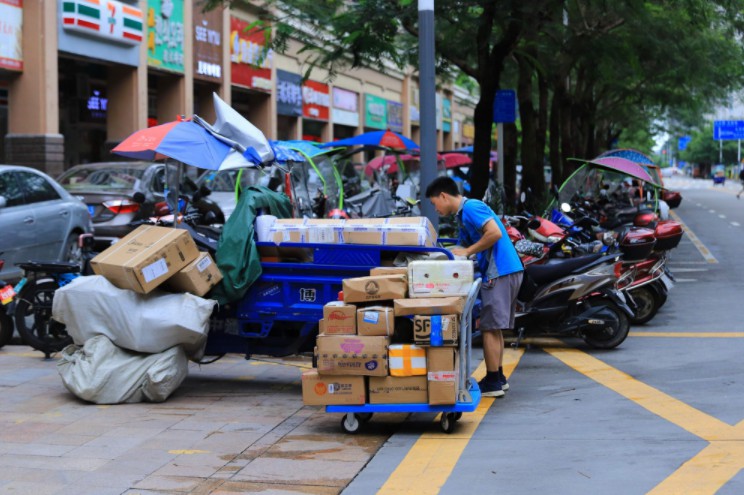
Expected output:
(460, 252)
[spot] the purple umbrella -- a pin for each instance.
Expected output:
(621, 165)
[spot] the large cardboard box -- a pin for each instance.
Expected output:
(373, 289)
(320, 390)
(430, 306)
(398, 390)
(406, 360)
(443, 373)
(288, 230)
(146, 257)
(339, 318)
(198, 277)
(439, 278)
(436, 330)
(376, 320)
(352, 355)
(389, 270)
(397, 231)
(325, 230)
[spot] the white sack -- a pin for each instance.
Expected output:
(152, 323)
(102, 373)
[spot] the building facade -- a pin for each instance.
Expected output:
(79, 76)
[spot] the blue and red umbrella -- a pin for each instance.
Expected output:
(384, 139)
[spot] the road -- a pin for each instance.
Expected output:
(662, 414)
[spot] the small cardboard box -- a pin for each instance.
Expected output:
(430, 306)
(332, 390)
(340, 318)
(325, 230)
(389, 270)
(406, 360)
(436, 330)
(352, 355)
(146, 257)
(398, 390)
(198, 278)
(321, 326)
(288, 230)
(440, 278)
(364, 231)
(376, 320)
(443, 373)
(373, 289)
(409, 231)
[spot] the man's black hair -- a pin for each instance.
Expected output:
(442, 185)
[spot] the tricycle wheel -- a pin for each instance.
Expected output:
(457, 416)
(350, 423)
(447, 422)
(364, 417)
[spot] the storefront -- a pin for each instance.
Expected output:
(11, 58)
(251, 74)
(345, 113)
(447, 136)
(395, 116)
(208, 60)
(288, 104)
(316, 109)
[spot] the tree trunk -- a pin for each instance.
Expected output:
(555, 141)
(483, 121)
(531, 169)
(511, 144)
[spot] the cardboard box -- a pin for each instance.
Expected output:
(439, 278)
(375, 320)
(198, 277)
(396, 231)
(406, 360)
(430, 306)
(146, 257)
(325, 230)
(437, 330)
(364, 231)
(321, 326)
(398, 390)
(443, 374)
(340, 318)
(389, 270)
(352, 355)
(288, 230)
(332, 390)
(373, 289)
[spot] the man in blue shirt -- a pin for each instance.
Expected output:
(482, 234)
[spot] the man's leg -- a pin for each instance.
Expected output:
(493, 349)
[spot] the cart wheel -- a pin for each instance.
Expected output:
(364, 417)
(350, 423)
(447, 422)
(458, 415)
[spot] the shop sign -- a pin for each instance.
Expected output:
(165, 34)
(251, 67)
(413, 109)
(95, 106)
(345, 107)
(375, 112)
(439, 111)
(108, 19)
(447, 115)
(395, 116)
(288, 93)
(316, 100)
(11, 24)
(468, 131)
(208, 44)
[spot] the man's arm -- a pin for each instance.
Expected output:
(491, 235)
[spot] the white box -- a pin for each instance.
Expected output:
(439, 278)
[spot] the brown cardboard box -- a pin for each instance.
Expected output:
(432, 306)
(409, 231)
(325, 230)
(352, 355)
(373, 289)
(198, 277)
(146, 257)
(332, 390)
(321, 326)
(389, 270)
(398, 390)
(364, 231)
(449, 326)
(340, 318)
(288, 230)
(376, 321)
(443, 373)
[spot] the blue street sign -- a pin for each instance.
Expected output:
(683, 142)
(724, 130)
(505, 106)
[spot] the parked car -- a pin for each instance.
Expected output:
(222, 184)
(39, 220)
(108, 189)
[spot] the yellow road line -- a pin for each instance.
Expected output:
(695, 240)
(429, 463)
(691, 335)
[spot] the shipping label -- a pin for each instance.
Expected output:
(155, 270)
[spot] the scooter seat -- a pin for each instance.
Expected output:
(543, 274)
(49, 267)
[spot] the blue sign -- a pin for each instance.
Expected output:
(505, 106)
(724, 130)
(683, 142)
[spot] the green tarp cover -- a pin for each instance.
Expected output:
(237, 255)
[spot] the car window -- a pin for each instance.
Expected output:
(116, 177)
(10, 189)
(36, 188)
(158, 181)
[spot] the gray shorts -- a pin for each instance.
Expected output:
(498, 302)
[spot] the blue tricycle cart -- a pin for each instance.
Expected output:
(469, 394)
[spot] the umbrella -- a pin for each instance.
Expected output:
(621, 165)
(629, 154)
(378, 162)
(452, 160)
(469, 150)
(384, 139)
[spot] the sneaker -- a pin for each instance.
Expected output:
(490, 389)
(504, 384)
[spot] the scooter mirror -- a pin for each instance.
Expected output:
(522, 197)
(565, 207)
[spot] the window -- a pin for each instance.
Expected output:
(10, 190)
(36, 188)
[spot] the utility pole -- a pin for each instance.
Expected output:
(427, 104)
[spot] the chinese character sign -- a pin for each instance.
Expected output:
(376, 112)
(165, 34)
(251, 64)
(395, 116)
(208, 45)
(447, 115)
(316, 100)
(11, 46)
(288, 93)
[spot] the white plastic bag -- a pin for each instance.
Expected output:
(102, 373)
(152, 323)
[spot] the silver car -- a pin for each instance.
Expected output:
(39, 220)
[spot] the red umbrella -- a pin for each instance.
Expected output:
(452, 160)
(378, 162)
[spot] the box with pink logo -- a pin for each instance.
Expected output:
(352, 355)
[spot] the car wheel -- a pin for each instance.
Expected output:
(73, 253)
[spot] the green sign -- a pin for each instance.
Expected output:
(447, 115)
(165, 34)
(375, 112)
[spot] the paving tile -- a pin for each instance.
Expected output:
(108, 489)
(53, 476)
(300, 471)
(42, 449)
(30, 487)
(51, 463)
(169, 483)
(233, 487)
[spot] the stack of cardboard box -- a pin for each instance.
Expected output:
(364, 336)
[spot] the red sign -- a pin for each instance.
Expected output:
(246, 49)
(316, 100)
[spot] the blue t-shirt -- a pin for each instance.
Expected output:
(502, 259)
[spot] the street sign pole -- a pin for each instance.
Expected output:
(504, 111)
(738, 153)
(427, 105)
